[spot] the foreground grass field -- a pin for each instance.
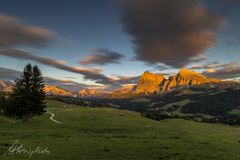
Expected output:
(110, 134)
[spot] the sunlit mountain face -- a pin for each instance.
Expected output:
(106, 45)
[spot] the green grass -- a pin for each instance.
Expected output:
(111, 134)
(57, 104)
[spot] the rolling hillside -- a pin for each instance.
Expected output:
(106, 134)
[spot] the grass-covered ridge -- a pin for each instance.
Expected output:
(107, 134)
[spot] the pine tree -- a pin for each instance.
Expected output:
(28, 98)
(38, 94)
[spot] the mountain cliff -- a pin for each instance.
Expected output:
(149, 83)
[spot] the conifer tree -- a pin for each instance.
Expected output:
(28, 97)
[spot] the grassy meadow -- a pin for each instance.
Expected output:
(111, 134)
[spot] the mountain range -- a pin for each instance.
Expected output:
(6, 86)
(157, 84)
(148, 84)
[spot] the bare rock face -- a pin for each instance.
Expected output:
(149, 83)
(54, 90)
(170, 84)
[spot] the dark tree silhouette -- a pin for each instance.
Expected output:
(2, 103)
(28, 97)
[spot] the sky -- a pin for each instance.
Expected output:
(97, 43)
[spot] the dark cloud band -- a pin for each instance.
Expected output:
(170, 31)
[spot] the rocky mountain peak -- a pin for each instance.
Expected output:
(185, 73)
(149, 83)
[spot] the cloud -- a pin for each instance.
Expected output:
(91, 74)
(232, 70)
(198, 58)
(214, 65)
(161, 67)
(102, 57)
(8, 74)
(119, 81)
(170, 31)
(15, 32)
(126, 80)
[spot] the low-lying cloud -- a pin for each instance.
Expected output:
(90, 74)
(214, 65)
(8, 74)
(226, 71)
(101, 57)
(170, 31)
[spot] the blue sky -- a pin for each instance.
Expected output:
(82, 26)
